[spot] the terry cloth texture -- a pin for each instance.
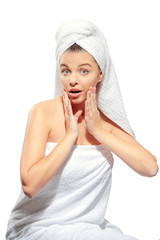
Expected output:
(72, 205)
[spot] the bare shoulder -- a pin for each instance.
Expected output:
(46, 112)
(40, 124)
(47, 106)
(49, 114)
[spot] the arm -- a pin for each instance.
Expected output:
(129, 150)
(36, 170)
(120, 142)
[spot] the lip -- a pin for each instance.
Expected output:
(74, 89)
(74, 95)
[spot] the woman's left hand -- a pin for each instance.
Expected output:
(92, 115)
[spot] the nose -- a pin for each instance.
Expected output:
(73, 80)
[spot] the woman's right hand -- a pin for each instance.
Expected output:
(71, 120)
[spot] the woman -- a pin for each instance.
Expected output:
(66, 160)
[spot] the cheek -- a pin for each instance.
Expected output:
(92, 80)
(63, 81)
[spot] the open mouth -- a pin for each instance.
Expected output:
(74, 93)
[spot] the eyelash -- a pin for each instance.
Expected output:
(84, 70)
(63, 71)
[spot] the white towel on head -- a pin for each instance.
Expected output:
(90, 38)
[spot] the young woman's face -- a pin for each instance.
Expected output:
(78, 71)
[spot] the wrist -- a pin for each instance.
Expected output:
(97, 132)
(71, 137)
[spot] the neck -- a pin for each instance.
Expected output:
(76, 107)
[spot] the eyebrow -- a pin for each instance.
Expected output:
(65, 65)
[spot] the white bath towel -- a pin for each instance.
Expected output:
(72, 205)
(90, 38)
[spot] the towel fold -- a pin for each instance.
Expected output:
(73, 203)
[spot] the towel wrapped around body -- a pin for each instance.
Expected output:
(73, 204)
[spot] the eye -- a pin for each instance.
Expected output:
(84, 71)
(65, 71)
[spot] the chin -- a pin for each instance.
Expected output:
(77, 100)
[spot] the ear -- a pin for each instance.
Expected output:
(100, 76)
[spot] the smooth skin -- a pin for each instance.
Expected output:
(68, 121)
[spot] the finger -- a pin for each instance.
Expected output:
(68, 105)
(94, 97)
(89, 107)
(65, 105)
(78, 114)
(91, 99)
(87, 112)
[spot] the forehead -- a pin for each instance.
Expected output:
(76, 57)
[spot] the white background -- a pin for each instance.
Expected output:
(27, 63)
